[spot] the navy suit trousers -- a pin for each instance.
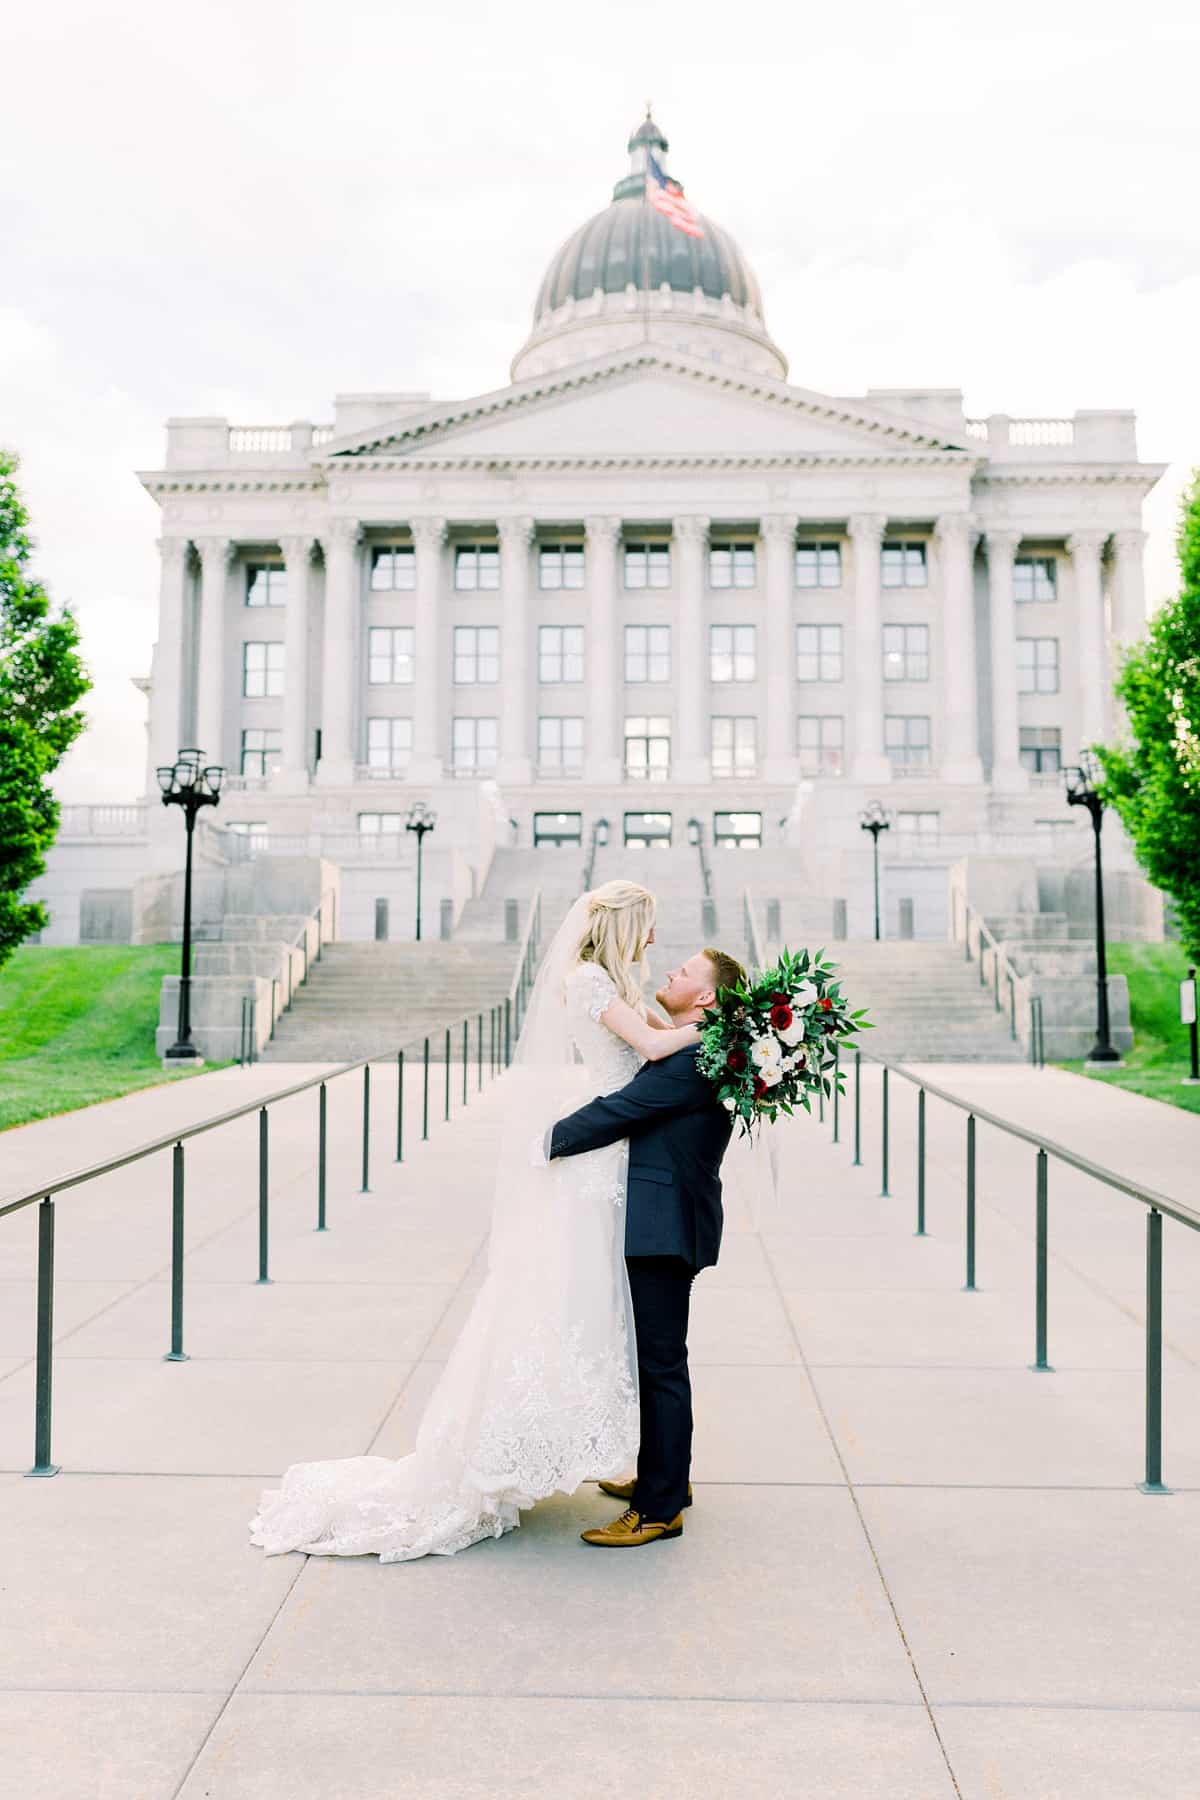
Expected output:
(661, 1287)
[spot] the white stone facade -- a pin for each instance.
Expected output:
(859, 597)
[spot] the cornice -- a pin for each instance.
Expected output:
(678, 460)
(1141, 475)
(230, 481)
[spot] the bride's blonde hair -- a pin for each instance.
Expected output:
(620, 920)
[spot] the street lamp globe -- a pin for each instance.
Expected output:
(1083, 788)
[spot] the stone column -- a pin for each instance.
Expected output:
(516, 696)
(956, 535)
(603, 669)
(167, 693)
(1007, 774)
(689, 672)
(1129, 588)
(339, 685)
(870, 763)
(216, 554)
(1095, 678)
(296, 749)
(428, 755)
(778, 648)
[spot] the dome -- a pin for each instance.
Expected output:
(695, 293)
(630, 243)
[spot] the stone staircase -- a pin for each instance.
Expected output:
(368, 999)
(925, 1002)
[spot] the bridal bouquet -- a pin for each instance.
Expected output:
(770, 1045)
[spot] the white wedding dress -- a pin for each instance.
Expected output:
(540, 1392)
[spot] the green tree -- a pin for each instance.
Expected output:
(1154, 781)
(42, 680)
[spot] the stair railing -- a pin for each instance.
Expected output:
(966, 924)
(522, 982)
(750, 921)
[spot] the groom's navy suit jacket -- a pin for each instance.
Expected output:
(677, 1131)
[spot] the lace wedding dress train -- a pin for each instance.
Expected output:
(540, 1392)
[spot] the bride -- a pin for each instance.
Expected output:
(540, 1392)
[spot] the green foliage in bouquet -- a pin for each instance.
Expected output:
(772, 1044)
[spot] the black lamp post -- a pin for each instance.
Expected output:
(1083, 790)
(875, 818)
(420, 820)
(191, 785)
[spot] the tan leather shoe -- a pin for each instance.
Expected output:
(623, 1490)
(631, 1531)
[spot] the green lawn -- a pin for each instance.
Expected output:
(77, 1025)
(1160, 1054)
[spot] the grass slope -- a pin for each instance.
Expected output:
(77, 1025)
(1160, 1055)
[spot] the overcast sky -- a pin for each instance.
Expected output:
(244, 208)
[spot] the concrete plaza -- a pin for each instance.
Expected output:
(914, 1568)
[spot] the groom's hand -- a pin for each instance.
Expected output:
(539, 1150)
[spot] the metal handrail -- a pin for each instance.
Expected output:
(1003, 967)
(751, 926)
(522, 981)
(44, 1194)
(1157, 1207)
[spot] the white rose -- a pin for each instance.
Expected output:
(771, 1074)
(765, 1052)
(793, 1033)
(805, 994)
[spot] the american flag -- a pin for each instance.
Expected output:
(667, 197)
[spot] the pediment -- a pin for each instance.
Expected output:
(644, 403)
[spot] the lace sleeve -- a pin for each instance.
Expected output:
(599, 990)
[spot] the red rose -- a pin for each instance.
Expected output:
(781, 1015)
(736, 1060)
(779, 999)
(760, 1087)
(825, 1003)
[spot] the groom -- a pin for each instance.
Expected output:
(677, 1131)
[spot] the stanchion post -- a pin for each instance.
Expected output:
(921, 1232)
(175, 1353)
(446, 1053)
(1043, 1257)
(884, 1145)
(1153, 1483)
(45, 1342)
(264, 1224)
(479, 1052)
(366, 1129)
(322, 1150)
(425, 1096)
(837, 1095)
(465, 1055)
(507, 1032)
(970, 1282)
(857, 1164)
(399, 1106)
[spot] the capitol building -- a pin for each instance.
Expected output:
(651, 580)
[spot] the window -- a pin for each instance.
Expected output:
(266, 584)
(647, 653)
(1041, 749)
(820, 743)
(647, 565)
(647, 748)
(731, 566)
(474, 744)
(560, 566)
(647, 831)
(1035, 578)
(389, 654)
(476, 654)
(257, 748)
(262, 671)
(737, 830)
(918, 825)
(734, 747)
(393, 569)
(906, 653)
(903, 565)
(560, 744)
(476, 566)
(818, 565)
(906, 741)
(818, 653)
(1037, 665)
(389, 743)
(731, 652)
(557, 828)
(257, 830)
(379, 824)
(560, 653)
